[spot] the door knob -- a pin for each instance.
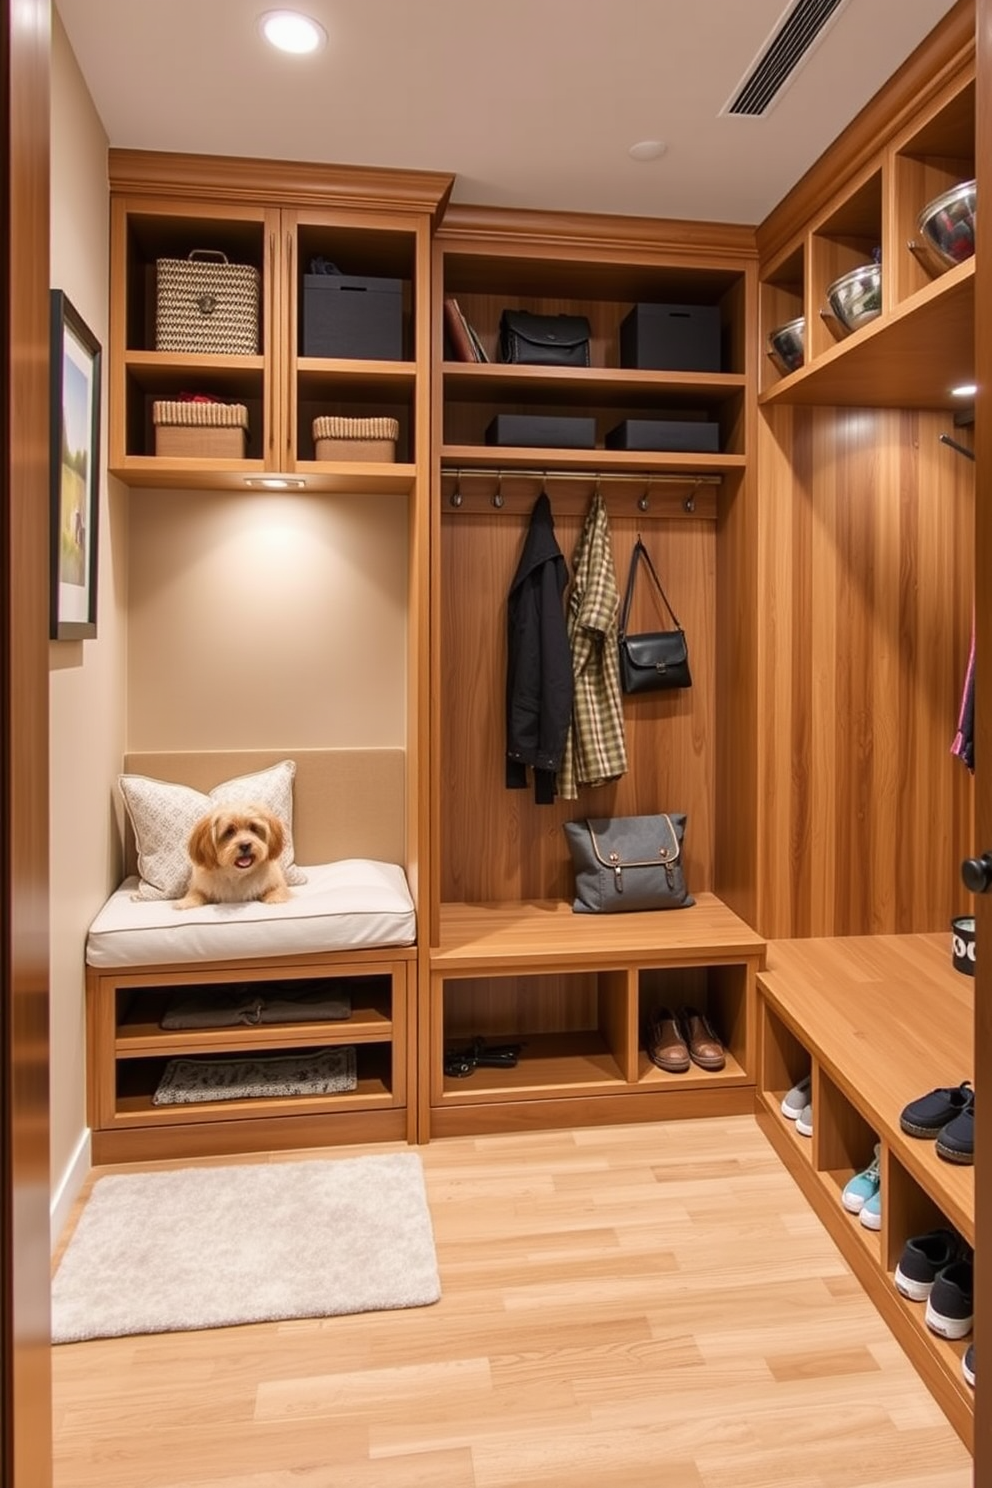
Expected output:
(977, 873)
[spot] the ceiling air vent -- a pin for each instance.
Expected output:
(782, 54)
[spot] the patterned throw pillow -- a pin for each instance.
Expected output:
(163, 815)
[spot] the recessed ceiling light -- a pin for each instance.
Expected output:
(647, 150)
(292, 32)
(966, 390)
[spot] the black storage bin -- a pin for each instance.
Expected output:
(701, 435)
(542, 431)
(348, 317)
(671, 338)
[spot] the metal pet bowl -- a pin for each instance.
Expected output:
(856, 297)
(947, 225)
(787, 345)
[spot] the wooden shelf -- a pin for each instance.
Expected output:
(535, 935)
(910, 357)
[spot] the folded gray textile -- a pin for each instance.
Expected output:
(227, 1007)
(319, 1072)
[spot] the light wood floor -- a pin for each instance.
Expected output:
(634, 1307)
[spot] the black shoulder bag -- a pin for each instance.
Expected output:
(659, 659)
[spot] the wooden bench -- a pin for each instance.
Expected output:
(876, 1021)
(348, 804)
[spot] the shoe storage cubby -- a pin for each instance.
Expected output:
(375, 234)
(893, 163)
(482, 264)
(839, 1011)
(129, 1050)
(576, 991)
(720, 993)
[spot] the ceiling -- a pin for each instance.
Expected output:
(529, 103)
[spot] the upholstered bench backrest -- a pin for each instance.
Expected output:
(347, 803)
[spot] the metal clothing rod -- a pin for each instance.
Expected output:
(469, 489)
(642, 478)
(962, 449)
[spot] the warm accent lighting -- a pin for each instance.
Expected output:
(274, 482)
(292, 32)
(966, 390)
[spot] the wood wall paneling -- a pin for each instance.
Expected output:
(497, 844)
(865, 578)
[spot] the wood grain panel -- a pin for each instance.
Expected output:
(496, 843)
(865, 568)
(25, 1392)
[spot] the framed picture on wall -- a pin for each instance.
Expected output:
(75, 472)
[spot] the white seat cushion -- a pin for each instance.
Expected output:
(353, 904)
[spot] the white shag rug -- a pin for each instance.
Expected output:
(211, 1247)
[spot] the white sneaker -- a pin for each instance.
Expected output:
(795, 1101)
(804, 1123)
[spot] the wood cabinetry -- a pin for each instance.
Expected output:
(876, 1022)
(508, 957)
(129, 1050)
(915, 142)
(275, 217)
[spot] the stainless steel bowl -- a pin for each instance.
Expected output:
(947, 224)
(787, 344)
(856, 297)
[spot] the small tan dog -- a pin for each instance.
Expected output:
(235, 852)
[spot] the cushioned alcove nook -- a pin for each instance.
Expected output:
(347, 936)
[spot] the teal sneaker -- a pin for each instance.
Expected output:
(871, 1211)
(863, 1186)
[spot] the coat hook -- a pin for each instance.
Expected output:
(497, 497)
(689, 504)
(643, 501)
(456, 498)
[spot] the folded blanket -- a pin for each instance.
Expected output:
(266, 1002)
(319, 1072)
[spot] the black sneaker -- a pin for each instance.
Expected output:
(956, 1141)
(968, 1365)
(922, 1258)
(926, 1116)
(950, 1305)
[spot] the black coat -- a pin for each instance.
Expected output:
(539, 660)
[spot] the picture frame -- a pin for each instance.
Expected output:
(75, 376)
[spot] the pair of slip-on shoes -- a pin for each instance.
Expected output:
(676, 1040)
(948, 1115)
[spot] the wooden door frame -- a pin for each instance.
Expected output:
(983, 735)
(25, 1242)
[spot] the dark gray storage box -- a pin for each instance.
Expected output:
(348, 317)
(700, 435)
(671, 338)
(542, 431)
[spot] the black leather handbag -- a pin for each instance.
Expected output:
(544, 340)
(653, 661)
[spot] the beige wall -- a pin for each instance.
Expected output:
(87, 677)
(260, 620)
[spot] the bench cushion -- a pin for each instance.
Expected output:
(354, 904)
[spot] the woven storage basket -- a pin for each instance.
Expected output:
(212, 431)
(206, 304)
(356, 438)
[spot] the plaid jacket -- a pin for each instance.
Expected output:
(595, 751)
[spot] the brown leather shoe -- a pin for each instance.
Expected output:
(666, 1044)
(705, 1049)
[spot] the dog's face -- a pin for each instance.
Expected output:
(236, 838)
